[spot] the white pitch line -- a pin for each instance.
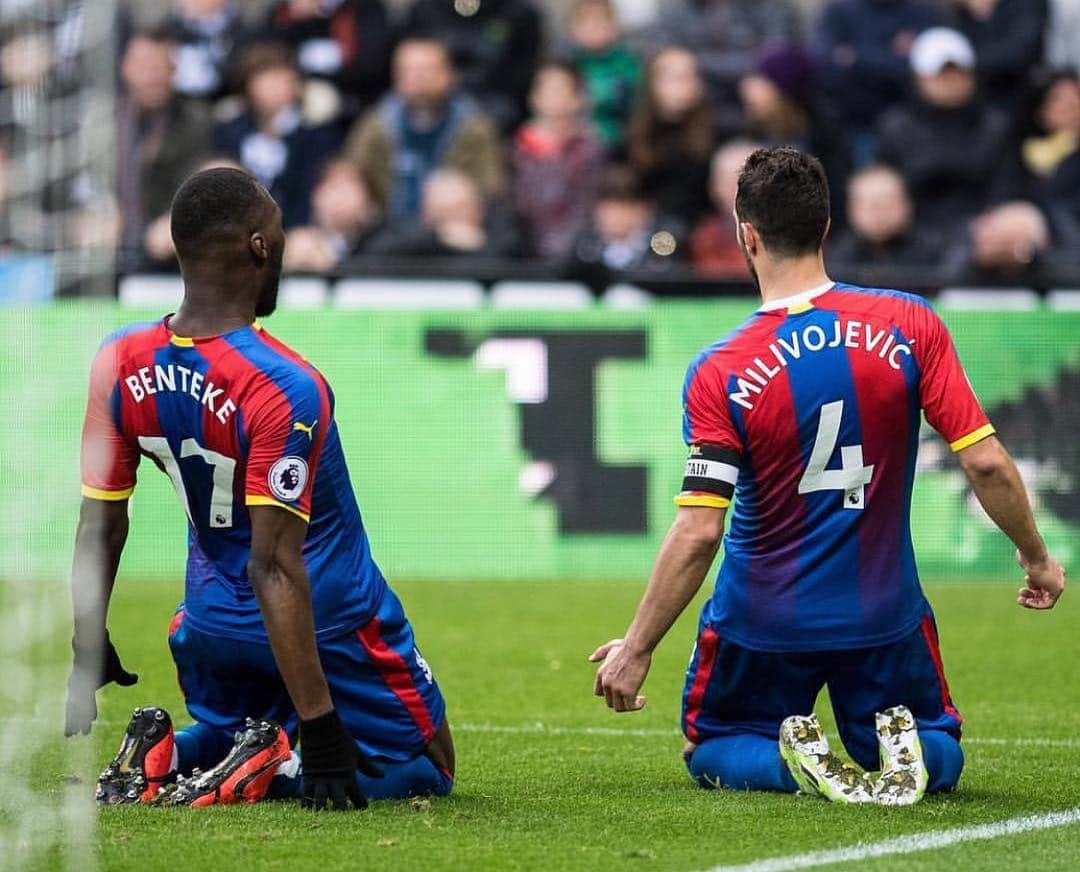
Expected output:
(548, 730)
(928, 841)
(542, 729)
(1021, 741)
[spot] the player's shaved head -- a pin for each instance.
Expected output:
(784, 194)
(214, 204)
(227, 231)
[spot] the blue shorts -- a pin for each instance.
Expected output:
(731, 690)
(380, 684)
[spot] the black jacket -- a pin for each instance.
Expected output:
(1008, 45)
(952, 159)
(910, 249)
(360, 30)
(496, 50)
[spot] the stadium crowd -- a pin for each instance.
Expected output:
(608, 137)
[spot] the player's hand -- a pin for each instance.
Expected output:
(1044, 582)
(91, 670)
(620, 676)
(331, 759)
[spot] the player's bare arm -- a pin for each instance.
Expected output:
(99, 541)
(280, 581)
(1000, 490)
(684, 559)
(279, 578)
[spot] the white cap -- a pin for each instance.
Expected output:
(936, 48)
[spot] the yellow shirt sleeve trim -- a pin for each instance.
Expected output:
(973, 437)
(711, 502)
(108, 496)
(268, 501)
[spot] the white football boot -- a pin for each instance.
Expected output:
(815, 768)
(903, 772)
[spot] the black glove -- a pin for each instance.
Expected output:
(91, 670)
(331, 759)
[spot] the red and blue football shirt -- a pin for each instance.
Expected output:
(808, 414)
(234, 420)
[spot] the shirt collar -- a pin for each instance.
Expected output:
(797, 299)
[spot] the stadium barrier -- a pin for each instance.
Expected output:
(492, 442)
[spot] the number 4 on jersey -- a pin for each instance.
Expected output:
(852, 477)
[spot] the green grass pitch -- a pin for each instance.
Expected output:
(590, 789)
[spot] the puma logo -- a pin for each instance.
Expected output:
(304, 428)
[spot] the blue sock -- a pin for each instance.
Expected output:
(742, 762)
(416, 777)
(944, 759)
(201, 746)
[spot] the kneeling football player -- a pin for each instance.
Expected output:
(808, 415)
(288, 630)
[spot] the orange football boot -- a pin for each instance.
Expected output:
(243, 776)
(143, 765)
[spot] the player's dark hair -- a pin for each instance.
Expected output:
(783, 192)
(211, 202)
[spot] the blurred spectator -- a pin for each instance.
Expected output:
(627, 232)
(948, 144)
(724, 34)
(556, 162)
(26, 58)
(455, 221)
(881, 229)
(610, 69)
(1062, 37)
(714, 247)
(671, 135)
(1051, 156)
(779, 106)
(161, 139)
(495, 46)
(7, 240)
(343, 220)
(424, 124)
(1004, 243)
(206, 33)
(776, 96)
(861, 47)
(272, 137)
(1008, 40)
(346, 42)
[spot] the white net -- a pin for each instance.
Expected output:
(57, 146)
(57, 162)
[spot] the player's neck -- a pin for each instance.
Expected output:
(209, 312)
(787, 278)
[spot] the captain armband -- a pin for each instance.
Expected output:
(710, 478)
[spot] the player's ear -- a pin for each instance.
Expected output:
(259, 246)
(750, 237)
(828, 227)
